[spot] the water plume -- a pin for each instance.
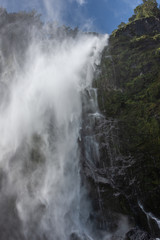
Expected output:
(67, 12)
(40, 122)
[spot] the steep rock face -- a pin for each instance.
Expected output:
(129, 135)
(124, 179)
(148, 25)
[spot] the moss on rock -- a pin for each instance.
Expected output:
(129, 91)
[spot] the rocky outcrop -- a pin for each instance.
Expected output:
(122, 172)
(128, 173)
(137, 234)
(148, 25)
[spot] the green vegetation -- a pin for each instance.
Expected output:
(129, 84)
(129, 90)
(148, 8)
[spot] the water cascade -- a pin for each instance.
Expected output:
(42, 105)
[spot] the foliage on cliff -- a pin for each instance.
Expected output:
(147, 9)
(129, 90)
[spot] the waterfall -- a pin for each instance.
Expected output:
(149, 216)
(41, 113)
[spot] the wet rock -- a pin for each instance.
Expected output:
(75, 236)
(116, 238)
(128, 170)
(79, 236)
(137, 234)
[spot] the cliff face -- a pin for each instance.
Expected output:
(129, 136)
(125, 180)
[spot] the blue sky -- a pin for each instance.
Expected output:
(96, 15)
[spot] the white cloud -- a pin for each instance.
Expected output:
(87, 25)
(81, 2)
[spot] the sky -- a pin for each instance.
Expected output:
(92, 15)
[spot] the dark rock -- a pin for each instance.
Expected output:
(137, 234)
(78, 236)
(144, 26)
(128, 171)
(75, 236)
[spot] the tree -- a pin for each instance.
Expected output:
(121, 25)
(150, 8)
(138, 11)
(147, 9)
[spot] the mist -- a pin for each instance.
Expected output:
(63, 12)
(43, 80)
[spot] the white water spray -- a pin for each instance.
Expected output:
(149, 216)
(39, 127)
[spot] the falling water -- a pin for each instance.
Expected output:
(149, 216)
(40, 122)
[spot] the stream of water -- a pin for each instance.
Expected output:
(40, 122)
